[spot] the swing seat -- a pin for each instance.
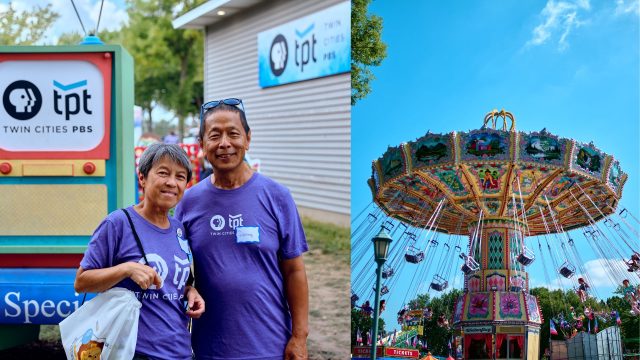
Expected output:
(384, 290)
(526, 257)
(387, 273)
(414, 258)
(439, 283)
(470, 265)
(567, 270)
(439, 286)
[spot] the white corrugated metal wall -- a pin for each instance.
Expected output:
(301, 132)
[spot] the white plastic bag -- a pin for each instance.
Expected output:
(106, 327)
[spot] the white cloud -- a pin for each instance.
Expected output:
(582, 72)
(599, 272)
(558, 17)
(599, 277)
(114, 16)
(555, 284)
(584, 4)
(627, 7)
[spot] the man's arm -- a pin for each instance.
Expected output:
(297, 293)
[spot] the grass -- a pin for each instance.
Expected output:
(332, 239)
(49, 333)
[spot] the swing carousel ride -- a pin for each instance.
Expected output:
(465, 204)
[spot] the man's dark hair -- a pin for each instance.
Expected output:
(224, 107)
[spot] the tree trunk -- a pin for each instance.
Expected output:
(181, 127)
(149, 109)
(184, 63)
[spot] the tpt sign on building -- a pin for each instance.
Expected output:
(310, 47)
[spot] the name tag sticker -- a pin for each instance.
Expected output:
(247, 234)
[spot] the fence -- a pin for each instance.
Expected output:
(604, 345)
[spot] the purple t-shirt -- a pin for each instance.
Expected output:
(238, 238)
(162, 328)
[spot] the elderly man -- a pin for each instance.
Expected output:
(247, 242)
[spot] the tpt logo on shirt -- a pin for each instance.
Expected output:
(180, 273)
(218, 222)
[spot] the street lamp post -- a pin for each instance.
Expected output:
(381, 244)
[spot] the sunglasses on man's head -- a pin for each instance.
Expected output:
(212, 104)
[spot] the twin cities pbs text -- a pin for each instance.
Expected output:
(22, 100)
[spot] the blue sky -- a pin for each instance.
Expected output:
(114, 17)
(571, 67)
(114, 14)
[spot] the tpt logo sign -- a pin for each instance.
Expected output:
(22, 99)
(72, 103)
(305, 50)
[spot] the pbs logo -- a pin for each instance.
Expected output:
(278, 55)
(22, 100)
(217, 222)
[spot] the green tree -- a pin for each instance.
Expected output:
(367, 48)
(553, 303)
(25, 28)
(363, 323)
(168, 62)
(420, 302)
(74, 38)
(163, 127)
(630, 324)
(437, 337)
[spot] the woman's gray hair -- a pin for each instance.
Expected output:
(156, 152)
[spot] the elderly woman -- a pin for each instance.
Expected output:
(114, 258)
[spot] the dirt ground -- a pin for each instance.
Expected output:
(329, 315)
(329, 311)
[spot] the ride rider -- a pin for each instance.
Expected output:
(582, 289)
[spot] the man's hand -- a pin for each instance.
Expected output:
(297, 293)
(195, 303)
(296, 348)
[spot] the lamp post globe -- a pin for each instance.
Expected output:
(381, 244)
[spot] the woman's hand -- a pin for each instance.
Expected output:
(143, 275)
(195, 302)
